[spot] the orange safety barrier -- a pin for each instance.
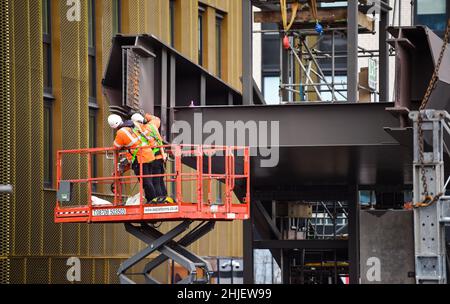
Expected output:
(232, 162)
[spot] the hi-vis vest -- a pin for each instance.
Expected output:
(131, 139)
(152, 135)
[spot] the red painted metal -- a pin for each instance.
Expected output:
(200, 207)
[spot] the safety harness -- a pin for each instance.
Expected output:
(146, 141)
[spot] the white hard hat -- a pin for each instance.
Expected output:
(137, 118)
(114, 121)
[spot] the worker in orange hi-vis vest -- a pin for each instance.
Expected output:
(131, 139)
(149, 126)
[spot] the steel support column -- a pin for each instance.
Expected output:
(353, 234)
(352, 51)
(247, 52)
(384, 57)
(285, 79)
(247, 99)
(248, 250)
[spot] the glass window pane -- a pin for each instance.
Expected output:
(92, 78)
(45, 17)
(172, 23)
(219, 47)
(47, 66)
(272, 89)
(116, 17)
(47, 145)
(91, 29)
(431, 7)
(93, 143)
(200, 38)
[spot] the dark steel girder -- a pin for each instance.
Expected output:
(319, 144)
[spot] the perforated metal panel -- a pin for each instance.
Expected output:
(32, 248)
(17, 273)
(108, 134)
(22, 95)
(5, 140)
(137, 16)
(36, 135)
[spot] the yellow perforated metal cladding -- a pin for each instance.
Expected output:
(5, 141)
(33, 249)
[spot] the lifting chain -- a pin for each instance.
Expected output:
(134, 79)
(428, 200)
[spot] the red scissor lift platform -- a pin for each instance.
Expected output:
(190, 167)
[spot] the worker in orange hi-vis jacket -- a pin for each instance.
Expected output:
(131, 139)
(149, 126)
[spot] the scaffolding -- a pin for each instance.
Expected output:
(302, 60)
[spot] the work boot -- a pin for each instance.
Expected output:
(170, 200)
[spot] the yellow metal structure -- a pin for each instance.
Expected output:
(33, 249)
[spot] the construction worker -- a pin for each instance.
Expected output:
(132, 139)
(150, 125)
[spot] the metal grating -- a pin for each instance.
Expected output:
(99, 271)
(108, 135)
(36, 139)
(5, 268)
(52, 231)
(5, 141)
(17, 275)
(37, 271)
(21, 84)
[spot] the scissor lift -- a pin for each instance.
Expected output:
(196, 165)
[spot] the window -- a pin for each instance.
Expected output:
(47, 50)
(219, 21)
(271, 89)
(93, 85)
(117, 16)
(271, 63)
(172, 22)
(48, 145)
(432, 13)
(93, 142)
(91, 51)
(201, 12)
(48, 83)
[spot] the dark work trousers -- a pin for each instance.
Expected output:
(149, 189)
(158, 182)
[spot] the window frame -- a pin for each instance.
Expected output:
(447, 16)
(201, 34)
(172, 6)
(48, 97)
(48, 105)
(219, 44)
(47, 40)
(93, 114)
(92, 83)
(117, 18)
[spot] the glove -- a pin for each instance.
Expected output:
(123, 165)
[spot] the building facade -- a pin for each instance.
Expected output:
(55, 54)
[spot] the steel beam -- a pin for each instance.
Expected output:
(301, 244)
(384, 57)
(352, 51)
(248, 260)
(353, 235)
(247, 52)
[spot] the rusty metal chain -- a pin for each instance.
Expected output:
(134, 74)
(428, 200)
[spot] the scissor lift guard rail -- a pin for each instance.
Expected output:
(139, 217)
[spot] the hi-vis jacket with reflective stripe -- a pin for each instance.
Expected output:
(153, 125)
(131, 140)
